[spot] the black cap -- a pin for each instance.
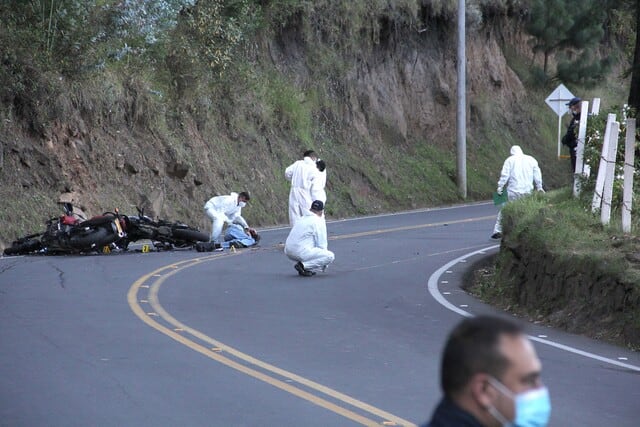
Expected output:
(317, 205)
(573, 101)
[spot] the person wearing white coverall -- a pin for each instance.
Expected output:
(301, 174)
(319, 182)
(307, 242)
(226, 210)
(519, 172)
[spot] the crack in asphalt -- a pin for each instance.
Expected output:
(7, 267)
(60, 275)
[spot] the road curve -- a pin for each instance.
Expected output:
(239, 339)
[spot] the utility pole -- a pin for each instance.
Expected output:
(461, 117)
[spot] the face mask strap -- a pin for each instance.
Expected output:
(501, 388)
(498, 416)
(492, 409)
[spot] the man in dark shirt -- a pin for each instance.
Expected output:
(570, 139)
(490, 377)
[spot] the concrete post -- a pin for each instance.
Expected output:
(602, 168)
(629, 159)
(582, 133)
(605, 212)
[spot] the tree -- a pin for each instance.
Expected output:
(570, 30)
(634, 91)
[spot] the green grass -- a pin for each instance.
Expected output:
(557, 258)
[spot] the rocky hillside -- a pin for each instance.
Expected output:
(380, 111)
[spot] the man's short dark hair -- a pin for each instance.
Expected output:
(309, 153)
(245, 195)
(473, 347)
(317, 206)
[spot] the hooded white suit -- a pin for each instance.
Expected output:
(519, 172)
(301, 174)
(317, 188)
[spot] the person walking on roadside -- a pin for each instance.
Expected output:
(307, 242)
(570, 138)
(301, 174)
(490, 376)
(519, 173)
(226, 210)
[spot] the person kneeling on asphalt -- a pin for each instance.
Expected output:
(226, 210)
(307, 242)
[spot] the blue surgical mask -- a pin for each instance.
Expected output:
(242, 204)
(532, 408)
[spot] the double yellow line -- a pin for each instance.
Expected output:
(143, 300)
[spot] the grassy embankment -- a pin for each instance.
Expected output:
(559, 265)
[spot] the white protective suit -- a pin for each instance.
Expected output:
(317, 187)
(301, 174)
(519, 172)
(307, 243)
(221, 210)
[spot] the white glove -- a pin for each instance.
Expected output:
(499, 191)
(541, 190)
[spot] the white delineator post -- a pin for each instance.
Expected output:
(597, 192)
(605, 212)
(595, 107)
(629, 159)
(582, 133)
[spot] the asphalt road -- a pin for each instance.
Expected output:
(184, 338)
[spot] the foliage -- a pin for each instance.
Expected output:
(559, 265)
(216, 28)
(56, 31)
(594, 140)
(570, 29)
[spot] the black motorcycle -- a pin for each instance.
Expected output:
(163, 234)
(71, 234)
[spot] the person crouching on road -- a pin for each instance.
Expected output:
(226, 210)
(307, 242)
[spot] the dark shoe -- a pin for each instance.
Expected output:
(303, 271)
(496, 236)
(207, 246)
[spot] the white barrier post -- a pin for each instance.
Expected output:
(629, 154)
(582, 133)
(595, 107)
(605, 212)
(597, 192)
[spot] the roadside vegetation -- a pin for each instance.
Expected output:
(559, 264)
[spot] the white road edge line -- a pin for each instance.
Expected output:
(435, 293)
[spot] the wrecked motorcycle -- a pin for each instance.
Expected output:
(70, 234)
(163, 234)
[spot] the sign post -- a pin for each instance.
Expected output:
(557, 101)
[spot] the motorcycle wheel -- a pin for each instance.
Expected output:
(189, 235)
(94, 239)
(23, 247)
